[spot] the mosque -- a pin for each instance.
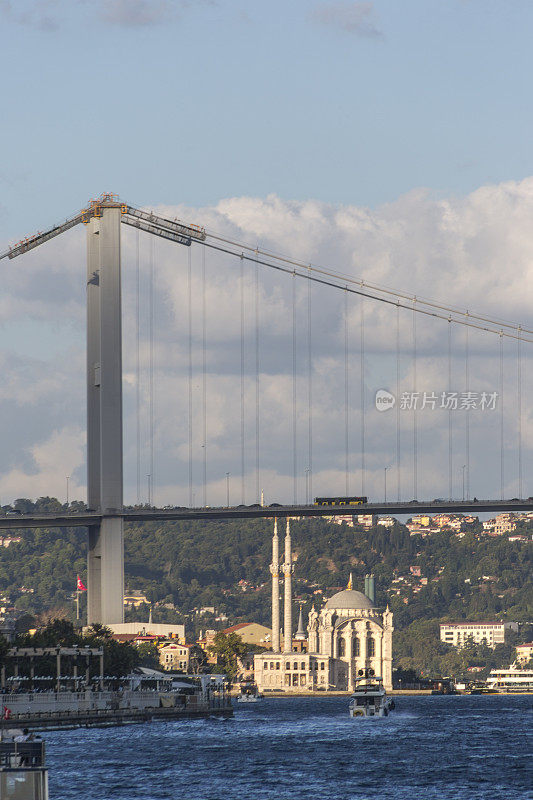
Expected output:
(347, 635)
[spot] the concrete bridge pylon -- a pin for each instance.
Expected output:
(105, 558)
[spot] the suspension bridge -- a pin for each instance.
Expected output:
(306, 432)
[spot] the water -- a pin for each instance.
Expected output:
(430, 748)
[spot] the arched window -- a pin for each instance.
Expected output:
(342, 648)
(356, 647)
(371, 647)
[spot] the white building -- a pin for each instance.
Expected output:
(458, 634)
(347, 635)
(386, 522)
(174, 656)
(524, 652)
(174, 631)
(367, 520)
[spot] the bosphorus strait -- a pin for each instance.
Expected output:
(436, 748)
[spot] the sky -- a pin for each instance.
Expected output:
(388, 140)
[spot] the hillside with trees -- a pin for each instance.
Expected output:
(184, 567)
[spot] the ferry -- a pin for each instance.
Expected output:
(510, 680)
(370, 698)
(249, 692)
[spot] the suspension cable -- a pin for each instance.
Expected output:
(242, 384)
(467, 416)
(343, 277)
(450, 420)
(151, 411)
(346, 397)
(309, 392)
(257, 388)
(415, 420)
(398, 429)
(189, 320)
(519, 391)
(138, 362)
(204, 379)
(407, 305)
(294, 434)
(501, 419)
(362, 381)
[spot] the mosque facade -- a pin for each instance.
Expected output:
(347, 635)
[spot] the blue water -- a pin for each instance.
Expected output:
(430, 748)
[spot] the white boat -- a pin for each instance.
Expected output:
(249, 693)
(511, 680)
(370, 698)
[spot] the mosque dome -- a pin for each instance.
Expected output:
(351, 599)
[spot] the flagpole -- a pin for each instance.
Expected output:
(77, 603)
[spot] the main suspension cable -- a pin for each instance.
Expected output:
(410, 306)
(342, 278)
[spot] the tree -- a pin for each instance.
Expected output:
(148, 655)
(228, 648)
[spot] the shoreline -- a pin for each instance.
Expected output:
(393, 693)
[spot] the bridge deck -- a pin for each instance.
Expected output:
(85, 519)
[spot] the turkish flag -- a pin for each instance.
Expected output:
(79, 584)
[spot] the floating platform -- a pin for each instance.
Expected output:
(104, 718)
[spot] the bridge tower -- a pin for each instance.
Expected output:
(103, 218)
(105, 558)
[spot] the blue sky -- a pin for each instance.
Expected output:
(345, 102)
(387, 139)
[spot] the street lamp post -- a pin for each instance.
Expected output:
(307, 470)
(148, 480)
(385, 472)
(227, 489)
(463, 468)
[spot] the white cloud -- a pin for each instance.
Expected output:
(61, 454)
(474, 252)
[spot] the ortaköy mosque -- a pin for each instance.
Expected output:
(346, 636)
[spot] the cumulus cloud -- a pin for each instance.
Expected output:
(355, 17)
(473, 252)
(52, 459)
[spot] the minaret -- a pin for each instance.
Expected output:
(300, 633)
(287, 571)
(274, 569)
